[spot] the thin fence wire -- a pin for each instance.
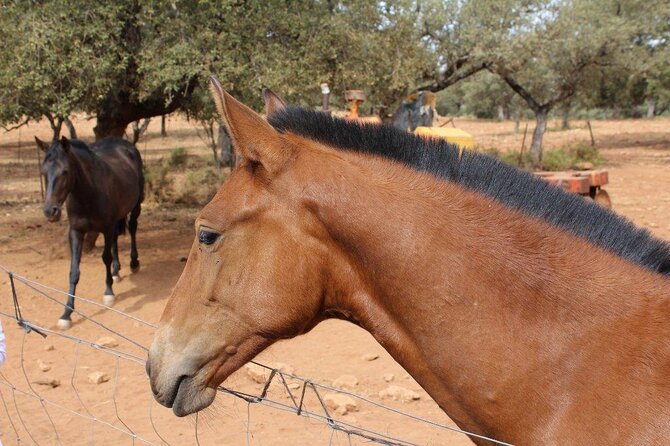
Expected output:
(277, 379)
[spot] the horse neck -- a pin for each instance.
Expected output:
(465, 293)
(84, 164)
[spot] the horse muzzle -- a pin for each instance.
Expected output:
(52, 213)
(177, 383)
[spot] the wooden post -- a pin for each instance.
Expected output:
(325, 92)
(144, 155)
(593, 141)
(19, 154)
(39, 172)
(523, 145)
(450, 120)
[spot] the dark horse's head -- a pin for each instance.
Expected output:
(58, 170)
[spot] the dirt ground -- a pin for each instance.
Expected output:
(636, 154)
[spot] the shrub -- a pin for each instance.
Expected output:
(178, 156)
(557, 159)
(491, 151)
(588, 153)
(514, 158)
(188, 191)
(199, 186)
(158, 185)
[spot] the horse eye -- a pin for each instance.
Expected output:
(207, 237)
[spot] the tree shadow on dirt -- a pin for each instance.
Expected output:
(651, 140)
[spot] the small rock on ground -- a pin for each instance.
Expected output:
(398, 393)
(261, 374)
(257, 373)
(49, 347)
(47, 381)
(341, 404)
(98, 377)
(388, 377)
(370, 356)
(107, 341)
(43, 366)
(346, 382)
(284, 368)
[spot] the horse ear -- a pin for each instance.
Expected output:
(273, 103)
(65, 144)
(253, 137)
(41, 144)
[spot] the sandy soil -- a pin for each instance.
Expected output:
(637, 155)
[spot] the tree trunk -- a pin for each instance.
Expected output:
(501, 113)
(56, 125)
(651, 108)
(565, 121)
(227, 155)
(517, 123)
(119, 111)
(536, 144)
(163, 130)
(138, 130)
(70, 128)
(108, 127)
(208, 127)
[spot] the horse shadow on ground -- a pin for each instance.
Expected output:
(153, 282)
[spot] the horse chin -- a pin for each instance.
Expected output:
(54, 218)
(192, 398)
(231, 362)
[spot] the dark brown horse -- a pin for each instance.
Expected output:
(102, 184)
(529, 315)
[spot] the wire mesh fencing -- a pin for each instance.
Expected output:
(88, 386)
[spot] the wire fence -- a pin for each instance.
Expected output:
(40, 409)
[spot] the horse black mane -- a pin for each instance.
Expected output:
(506, 184)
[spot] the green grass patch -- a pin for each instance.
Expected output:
(580, 156)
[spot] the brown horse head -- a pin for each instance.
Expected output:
(58, 170)
(256, 271)
(528, 314)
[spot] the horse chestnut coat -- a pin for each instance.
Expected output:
(531, 316)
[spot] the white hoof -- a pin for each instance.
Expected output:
(116, 279)
(108, 299)
(64, 324)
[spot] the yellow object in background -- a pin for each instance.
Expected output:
(451, 135)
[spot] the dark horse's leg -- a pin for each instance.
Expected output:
(89, 241)
(76, 238)
(132, 228)
(116, 265)
(110, 240)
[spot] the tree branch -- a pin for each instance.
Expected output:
(17, 126)
(566, 93)
(453, 76)
(525, 94)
